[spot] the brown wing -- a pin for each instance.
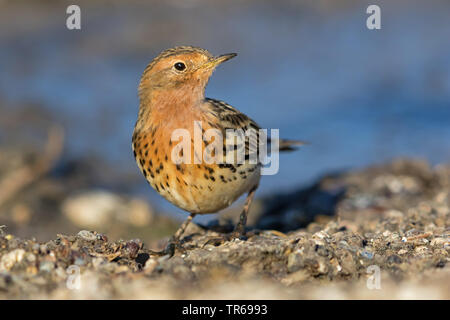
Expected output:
(234, 119)
(231, 118)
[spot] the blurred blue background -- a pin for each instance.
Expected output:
(310, 68)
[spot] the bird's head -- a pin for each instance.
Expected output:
(180, 68)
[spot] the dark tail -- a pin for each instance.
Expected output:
(290, 145)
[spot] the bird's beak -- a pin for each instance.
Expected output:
(218, 60)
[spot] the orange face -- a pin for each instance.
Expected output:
(184, 69)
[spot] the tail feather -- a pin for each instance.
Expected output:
(290, 145)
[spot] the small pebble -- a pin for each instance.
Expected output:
(46, 266)
(87, 235)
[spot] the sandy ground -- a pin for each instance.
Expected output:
(379, 233)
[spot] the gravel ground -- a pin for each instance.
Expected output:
(382, 233)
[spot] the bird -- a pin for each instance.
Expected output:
(172, 97)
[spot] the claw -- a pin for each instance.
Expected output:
(169, 250)
(217, 241)
(276, 233)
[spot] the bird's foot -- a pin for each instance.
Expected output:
(172, 246)
(217, 241)
(276, 233)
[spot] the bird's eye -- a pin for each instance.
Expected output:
(180, 66)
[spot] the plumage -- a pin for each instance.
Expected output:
(172, 97)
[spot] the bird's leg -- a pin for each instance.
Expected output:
(182, 228)
(239, 230)
(174, 241)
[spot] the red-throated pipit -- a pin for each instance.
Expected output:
(172, 98)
